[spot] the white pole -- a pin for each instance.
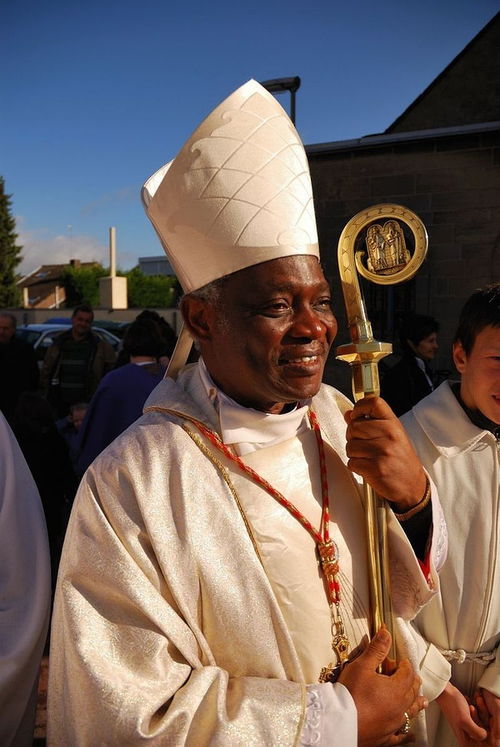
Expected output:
(112, 252)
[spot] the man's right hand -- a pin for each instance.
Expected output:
(382, 701)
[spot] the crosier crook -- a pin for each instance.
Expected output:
(388, 263)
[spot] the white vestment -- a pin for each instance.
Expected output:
(24, 592)
(190, 608)
(464, 618)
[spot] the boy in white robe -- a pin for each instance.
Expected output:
(456, 431)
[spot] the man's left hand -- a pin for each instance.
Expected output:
(380, 451)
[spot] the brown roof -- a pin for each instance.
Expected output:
(48, 274)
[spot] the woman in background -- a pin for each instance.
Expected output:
(121, 394)
(411, 379)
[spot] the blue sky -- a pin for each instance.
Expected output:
(98, 95)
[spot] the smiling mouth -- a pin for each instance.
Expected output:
(301, 360)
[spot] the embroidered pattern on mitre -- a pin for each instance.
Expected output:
(239, 192)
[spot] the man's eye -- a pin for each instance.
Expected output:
(276, 307)
(325, 303)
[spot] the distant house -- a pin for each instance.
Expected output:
(43, 288)
(158, 265)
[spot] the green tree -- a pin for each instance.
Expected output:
(10, 252)
(143, 291)
(149, 291)
(82, 284)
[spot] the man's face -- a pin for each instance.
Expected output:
(270, 344)
(480, 370)
(81, 323)
(427, 348)
(6, 329)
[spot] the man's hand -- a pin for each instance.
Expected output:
(382, 701)
(459, 715)
(380, 451)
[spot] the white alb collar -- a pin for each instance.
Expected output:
(247, 429)
(434, 414)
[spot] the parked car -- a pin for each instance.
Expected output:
(116, 328)
(41, 336)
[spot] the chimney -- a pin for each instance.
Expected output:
(113, 289)
(112, 252)
(75, 262)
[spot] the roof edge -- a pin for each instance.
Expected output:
(25, 277)
(373, 141)
(441, 75)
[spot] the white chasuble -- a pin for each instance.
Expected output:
(288, 551)
(171, 629)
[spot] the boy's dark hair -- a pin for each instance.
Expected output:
(85, 308)
(416, 328)
(143, 338)
(481, 310)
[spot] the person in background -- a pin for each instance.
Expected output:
(75, 363)
(411, 379)
(120, 396)
(69, 428)
(18, 366)
(165, 332)
(24, 593)
(48, 458)
(456, 431)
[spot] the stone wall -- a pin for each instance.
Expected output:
(452, 181)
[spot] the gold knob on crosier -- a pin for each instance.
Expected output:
(385, 244)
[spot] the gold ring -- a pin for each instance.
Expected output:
(406, 726)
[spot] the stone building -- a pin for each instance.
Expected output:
(441, 159)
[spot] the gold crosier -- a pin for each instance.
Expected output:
(388, 262)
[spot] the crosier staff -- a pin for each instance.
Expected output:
(385, 261)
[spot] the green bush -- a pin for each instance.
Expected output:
(143, 291)
(150, 291)
(82, 284)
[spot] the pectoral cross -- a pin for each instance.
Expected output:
(340, 646)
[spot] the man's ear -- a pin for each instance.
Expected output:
(459, 356)
(197, 315)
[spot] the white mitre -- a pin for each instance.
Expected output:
(237, 194)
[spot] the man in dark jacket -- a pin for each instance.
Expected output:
(18, 367)
(75, 363)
